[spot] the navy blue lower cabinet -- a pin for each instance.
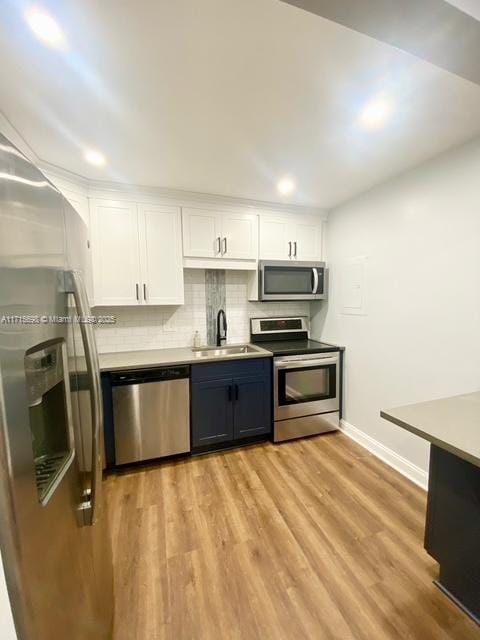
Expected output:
(251, 414)
(109, 436)
(212, 412)
(231, 402)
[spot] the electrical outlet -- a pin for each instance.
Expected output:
(169, 328)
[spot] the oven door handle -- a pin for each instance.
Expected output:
(306, 364)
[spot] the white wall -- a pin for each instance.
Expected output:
(420, 337)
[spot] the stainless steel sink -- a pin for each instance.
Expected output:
(222, 352)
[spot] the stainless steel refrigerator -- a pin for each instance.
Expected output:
(54, 537)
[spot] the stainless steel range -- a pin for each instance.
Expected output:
(307, 377)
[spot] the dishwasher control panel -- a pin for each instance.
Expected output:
(146, 375)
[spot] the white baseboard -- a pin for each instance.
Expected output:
(399, 463)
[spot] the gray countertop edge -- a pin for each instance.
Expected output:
(432, 439)
(143, 359)
(166, 362)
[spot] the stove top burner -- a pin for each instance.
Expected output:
(286, 336)
(297, 347)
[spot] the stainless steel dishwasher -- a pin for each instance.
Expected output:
(151, 413)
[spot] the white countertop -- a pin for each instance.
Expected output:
(450, 423)
(124, 360)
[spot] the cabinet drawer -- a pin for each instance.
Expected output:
(231, 368)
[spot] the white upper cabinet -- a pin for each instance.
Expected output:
(80, 203)
(290, 237)
(213, 234)
(116, 252)
(161, 255)
(275, 238)
(201, 233)
(137, 254)
(307, 240)
(239, 236)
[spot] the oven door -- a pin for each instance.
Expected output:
(306, 385)
(292, 281)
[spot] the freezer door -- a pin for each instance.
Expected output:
(48, 553)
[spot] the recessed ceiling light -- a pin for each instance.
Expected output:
(376, 112)
(94, 157)
(45, 27)
(286, 186)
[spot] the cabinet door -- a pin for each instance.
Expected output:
(115, 252)
(212, 412)
(80, 204)
(274, 238)
(201, 233)
(308, 236)
(239, 236)
(252, 412)
(161, 254)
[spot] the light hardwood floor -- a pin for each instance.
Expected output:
(311, 539)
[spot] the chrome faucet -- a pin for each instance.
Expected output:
(220, 338)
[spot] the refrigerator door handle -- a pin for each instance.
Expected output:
(92, 498)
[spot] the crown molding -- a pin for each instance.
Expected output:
(105, 189)
(74, 179)
(16, 138)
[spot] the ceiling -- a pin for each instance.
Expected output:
(225, 97)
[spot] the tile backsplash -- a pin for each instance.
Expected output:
(141, 328)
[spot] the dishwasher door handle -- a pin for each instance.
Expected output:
(122, 381)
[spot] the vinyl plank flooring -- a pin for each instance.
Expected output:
(312, 539)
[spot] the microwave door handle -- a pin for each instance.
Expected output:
(92, 499)
(315, 280)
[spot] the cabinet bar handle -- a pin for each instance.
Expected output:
(224, 246)
(145, 292)
(236, 392)
(137, 292)
(289, 249)
(229, 392)
(295, 245)
(219, 246)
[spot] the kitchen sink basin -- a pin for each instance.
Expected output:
(222, 352)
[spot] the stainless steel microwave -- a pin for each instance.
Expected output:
(287, 280)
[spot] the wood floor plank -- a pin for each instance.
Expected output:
(313, 539)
